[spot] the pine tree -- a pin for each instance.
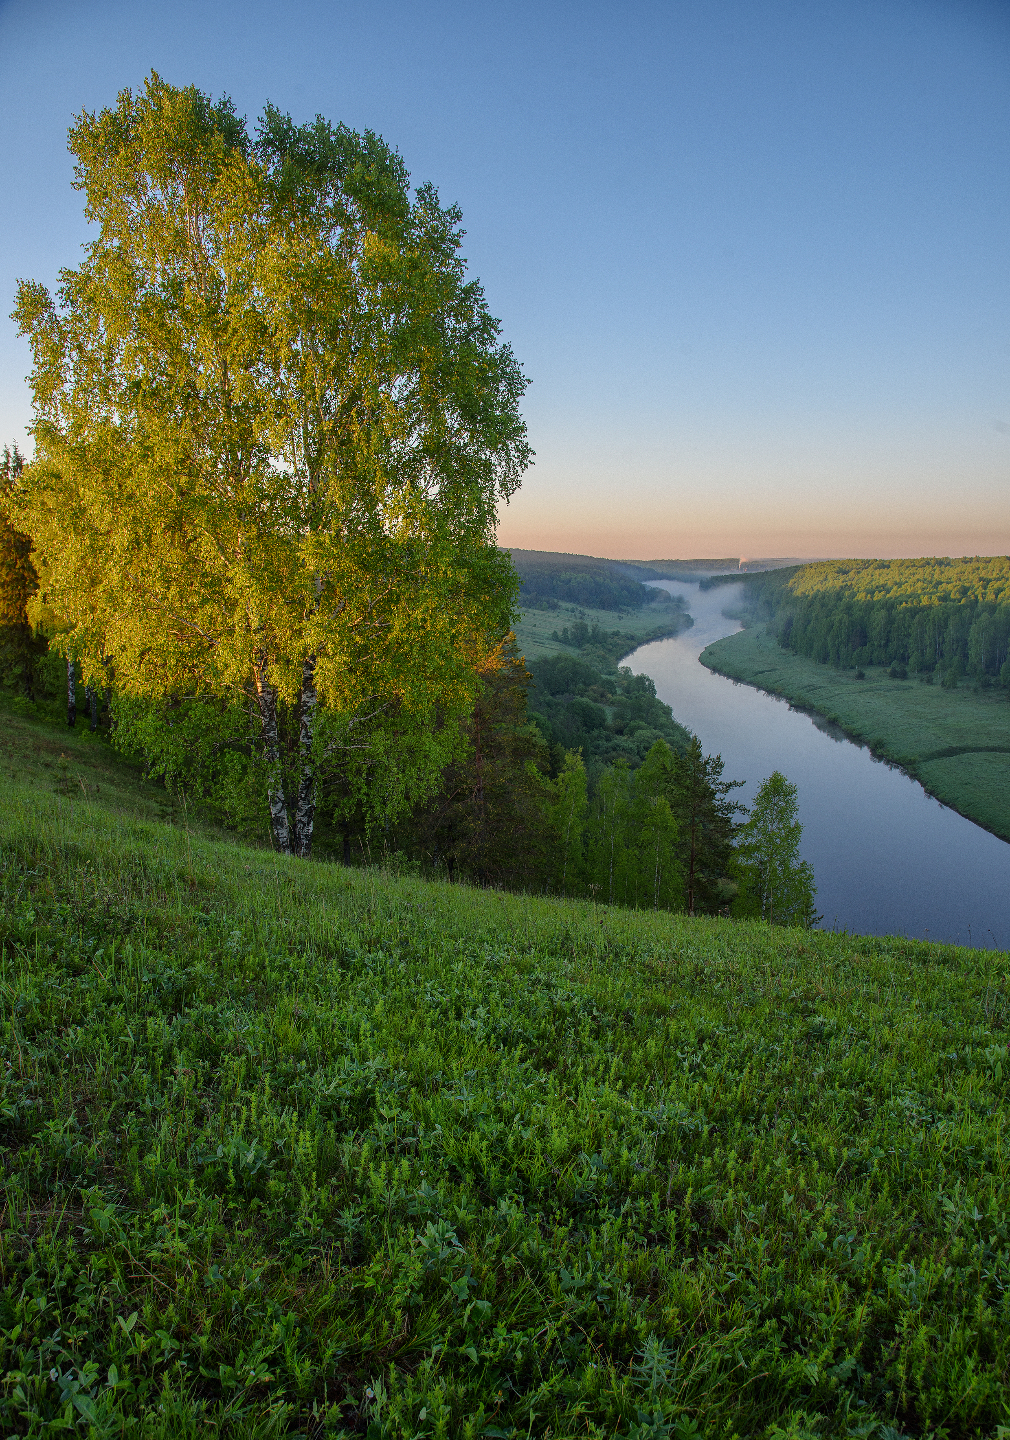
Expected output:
(707, 828)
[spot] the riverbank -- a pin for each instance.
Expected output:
(956, 743)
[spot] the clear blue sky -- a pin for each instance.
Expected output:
(753, 254)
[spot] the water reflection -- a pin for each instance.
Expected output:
(888, 858)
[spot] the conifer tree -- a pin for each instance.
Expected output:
(707, 828)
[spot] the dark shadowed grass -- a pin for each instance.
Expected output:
(290, 1149)
(39, 750)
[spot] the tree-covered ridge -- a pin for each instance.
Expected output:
(950, 618)
(931, 580)
(675, 569)
(548, 579)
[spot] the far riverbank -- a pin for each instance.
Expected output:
(955, 743)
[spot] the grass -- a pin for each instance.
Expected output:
(956, 743)
(296, 1150)
(652, 622)
(39, 751)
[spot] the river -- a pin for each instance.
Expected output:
(888, 859)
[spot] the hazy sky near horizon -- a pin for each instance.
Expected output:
(753, 254)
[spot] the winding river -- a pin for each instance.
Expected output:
(888, 858)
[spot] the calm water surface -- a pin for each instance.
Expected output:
(888, 859)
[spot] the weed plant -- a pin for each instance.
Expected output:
(289, 1149)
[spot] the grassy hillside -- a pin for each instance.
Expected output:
(289, 1149)
(955, 742)
(38, 750)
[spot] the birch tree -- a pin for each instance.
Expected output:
(273, 424)
(777, 884)
(18, 647)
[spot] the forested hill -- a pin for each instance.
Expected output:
(930, 581)
(548, 579)
(945, 616)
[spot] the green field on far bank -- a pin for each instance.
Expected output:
(535, 630)
(956, 743)
(290, 1149)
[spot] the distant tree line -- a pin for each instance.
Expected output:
(546, 581)
(939, 619)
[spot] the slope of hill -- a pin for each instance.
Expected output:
(291, 1149)
(548, 579)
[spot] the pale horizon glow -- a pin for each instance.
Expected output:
(751, 254)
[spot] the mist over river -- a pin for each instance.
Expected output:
(888, 858)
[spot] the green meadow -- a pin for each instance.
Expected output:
(293, 1149)
(536, 628)
(956, 743)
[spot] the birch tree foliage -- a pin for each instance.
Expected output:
(273, 420)
(776, 883)
(19, 649)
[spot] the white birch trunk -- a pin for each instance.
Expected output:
(71, 694)
(305, 805)
(267, 697)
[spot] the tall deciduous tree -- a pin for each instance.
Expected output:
(777, 884)
(273, 423)
(659, 877)
(571, 804)
(18, 581)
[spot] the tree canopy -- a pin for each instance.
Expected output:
(950, 617)
(775, 883)
(273, 424)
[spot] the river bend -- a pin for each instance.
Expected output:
(887, 857)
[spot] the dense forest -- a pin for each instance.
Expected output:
(548, 580)
(605, 711)
(943, 619)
